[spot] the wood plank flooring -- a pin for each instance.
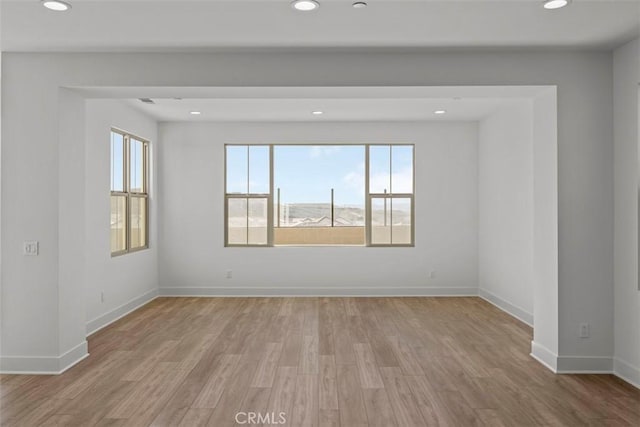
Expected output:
(346, 362)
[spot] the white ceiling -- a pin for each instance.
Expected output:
(156, 25)
(277, 104)
(311, 92)
(292, 110)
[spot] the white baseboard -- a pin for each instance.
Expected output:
(545, 356)
(507, 307)
(43, 365)
(106, 319)
(626, 371)
(30, 365)
(571, 364)
(315, 292)
(584, 365)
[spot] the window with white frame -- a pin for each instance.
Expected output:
(129, 228)
(319, 195)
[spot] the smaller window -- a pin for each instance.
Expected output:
(129, 193)
(247, 198)
(390, 195)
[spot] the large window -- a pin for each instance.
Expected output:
(129, 193)
(319, 195)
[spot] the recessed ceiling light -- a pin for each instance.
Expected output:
(195, 113)
(305, 5)
(359, 5)
(317, 113)
(56, 5)
(555, 4)
(440, 112)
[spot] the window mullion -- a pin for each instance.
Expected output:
(145, 168)
(390, 195)
(247, 199)
(226, 216)
(270, 230)
(127, 146)
(367, 198)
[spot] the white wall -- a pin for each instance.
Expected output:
(505, 215)
(71, 232)
(30, 183)
(29, 180)
(627, 296)
(1, 316)
(546, 250)
(193, 259)
(132, 278)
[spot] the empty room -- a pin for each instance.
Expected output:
(320, 213)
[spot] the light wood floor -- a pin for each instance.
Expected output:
(323, 362)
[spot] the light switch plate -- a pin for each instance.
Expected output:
(584, 330)
(30, 248)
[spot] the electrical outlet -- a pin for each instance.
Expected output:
(432, 274)
(30, 248)
(102, 297)
(584, 330)
(229, 274)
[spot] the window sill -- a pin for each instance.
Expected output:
(130, 251)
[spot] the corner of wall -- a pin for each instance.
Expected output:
(544, 356)
(626, 116)
(106, 319)
(506, 306)
(626, 371)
